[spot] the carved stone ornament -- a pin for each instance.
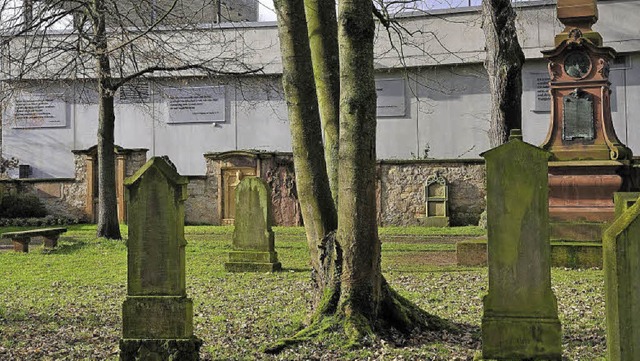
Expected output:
(436, 178)
(603, 68)
(554, 70)
(575, 34)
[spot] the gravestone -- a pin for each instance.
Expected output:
(589, 163)
(253, 241)
(157, 316)
(520, 319)
(621, 252)
(437, 201)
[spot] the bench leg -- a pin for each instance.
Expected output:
(21, 244)
(51, 241)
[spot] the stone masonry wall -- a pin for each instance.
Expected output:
(61, 197)
(200, 206)
(401, 197)
(400, 190)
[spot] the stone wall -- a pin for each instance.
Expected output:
(400, 188)
(200, 206)
(401, 195)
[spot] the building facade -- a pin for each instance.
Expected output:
(433, 101)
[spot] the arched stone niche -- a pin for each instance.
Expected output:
(229, 168)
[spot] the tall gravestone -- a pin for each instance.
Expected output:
(253, 240)
(520, 319)
(157, 316)
(589, 161)
(621, 252)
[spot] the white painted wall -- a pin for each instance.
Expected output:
(446, 103)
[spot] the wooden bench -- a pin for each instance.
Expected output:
(21, 239)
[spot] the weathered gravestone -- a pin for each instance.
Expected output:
(436, 194)
(520, 319)
(253, 241)
(621, 252)
(157, 316)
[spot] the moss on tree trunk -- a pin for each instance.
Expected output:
(353, 297)
(323, 41)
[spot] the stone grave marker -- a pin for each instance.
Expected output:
(621, 251)
(520, 319)
(436, 192)
(253, 241)
(157, 316)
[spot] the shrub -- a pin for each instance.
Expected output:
(21, 206)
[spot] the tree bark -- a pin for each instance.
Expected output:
(357, 227)
(354, 297)
(323, 40)
(312, 183)
(108, 226)
(504, 67)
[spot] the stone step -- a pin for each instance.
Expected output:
(563, 254)
(577, 231)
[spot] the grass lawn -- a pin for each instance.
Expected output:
(66, 304)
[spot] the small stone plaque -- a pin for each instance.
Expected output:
(578, 116)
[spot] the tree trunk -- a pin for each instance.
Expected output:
(504, 68)
(355, 298)
(108, 226)
(357, 227)
(312, 184)
(323, 40)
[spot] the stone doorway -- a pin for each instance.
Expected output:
(231, 177)
(127, 162)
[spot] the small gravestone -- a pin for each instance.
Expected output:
(253, 241)
(157, 316)
(437, 201)
(520, 319)
(621, 250)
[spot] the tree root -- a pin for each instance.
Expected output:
(396, 315)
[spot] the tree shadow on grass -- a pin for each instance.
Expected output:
(68, 246)
(461, 335)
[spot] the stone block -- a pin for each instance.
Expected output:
(252, 267)
(21, 244)
(160, 350)
(621, 249)
(576, 254)
(253, 256)
(434, 221)
(563, 254)
(472, 253)
(149, 317)
(517, 338)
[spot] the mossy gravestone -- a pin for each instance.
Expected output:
(157, 316)
(253, 243)
(621, 249)
(520, 319)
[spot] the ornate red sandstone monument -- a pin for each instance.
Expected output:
(589, 162)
